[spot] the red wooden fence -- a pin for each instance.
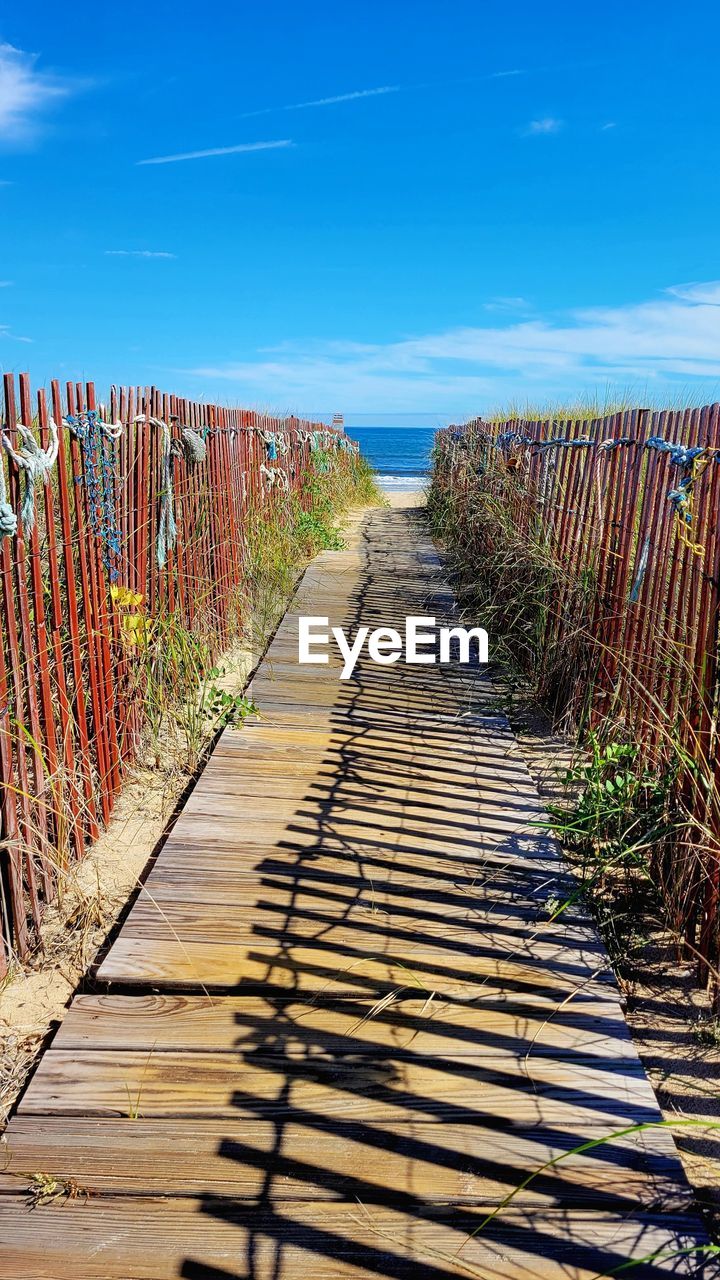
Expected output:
(633, 519)
(79, 583)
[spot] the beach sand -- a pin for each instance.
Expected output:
(404, 497)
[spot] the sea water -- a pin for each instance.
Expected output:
(400, 455)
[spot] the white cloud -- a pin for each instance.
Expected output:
(5, 332)
(24, 92)
(709, 292)
(326, 102)
(380, 91)
(138, 253)
(538, 128)
(218, 151)
(506, 304)
(666, 343)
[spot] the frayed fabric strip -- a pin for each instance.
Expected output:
(35, 463)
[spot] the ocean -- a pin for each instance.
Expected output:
(400, 455)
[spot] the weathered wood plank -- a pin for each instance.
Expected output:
(409, 1025)
(573, 1091)
(286, 961)
(420, 1161)
(205, 1239)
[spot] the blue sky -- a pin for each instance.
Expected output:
(412, 207)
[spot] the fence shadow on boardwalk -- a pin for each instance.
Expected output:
(387, 1102)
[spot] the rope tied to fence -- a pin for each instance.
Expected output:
(274, 475)
(167, 529)
(692, 460)
(35, 463)
(682, 455)
(507, 439)
(607, 446)
(562, 442)
(8, 519)
(82, 424)
(271, 445)
(191, 446)
(97, 440)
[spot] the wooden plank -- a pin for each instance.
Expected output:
(410, 1025)
(418, 1160)
(325, 888)
(356, 929)
(282, 960)
(573, 1092)
(500, 845)
(162, 1239)
(367, 862)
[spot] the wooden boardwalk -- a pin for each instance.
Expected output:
(336, 1029)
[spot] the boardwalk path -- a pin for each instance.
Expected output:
(336, 1030)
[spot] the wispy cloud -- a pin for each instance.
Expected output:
(138, 253)
(25, 92)
(6, 332)
(666, 342)
(379, 91)
(506, 304)
(547, 124)
(219, 151)
(326, 102)
(609, 125)
(6, 284)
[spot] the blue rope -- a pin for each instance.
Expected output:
(640, 571)
(679, 498)
(508, 438)
(682, 455)
(99, 459)
(563, 442)
(607, 446)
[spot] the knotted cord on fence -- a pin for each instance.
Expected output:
(191, 446)
(167, 528)
(692, 461)
(97, 441)
(274, 475)
(35, 463)
(8, 519)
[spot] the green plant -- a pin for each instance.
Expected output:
(320, 534)
(619, 800)
(224, 709)
(706, 1031)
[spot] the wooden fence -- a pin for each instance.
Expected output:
(628, 506)
(110, 516)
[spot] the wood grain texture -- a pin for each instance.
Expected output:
(300, 1159)
(206, 1239)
